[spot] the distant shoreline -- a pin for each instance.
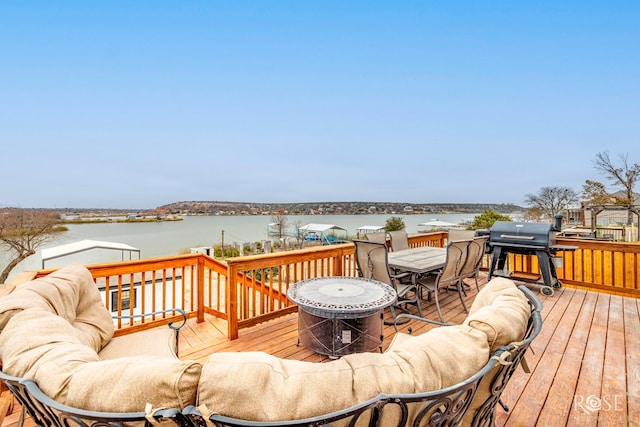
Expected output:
(94, 220)
(329, 208)
(217, 208)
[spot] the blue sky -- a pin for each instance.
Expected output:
(136, 104)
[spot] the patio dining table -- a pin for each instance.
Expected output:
(418, 260)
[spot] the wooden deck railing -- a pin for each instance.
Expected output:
(188, 282)
(612, 267)
(199, 284)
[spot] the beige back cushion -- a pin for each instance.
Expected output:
(6, 289)
(258, 386)
(42, 346)
(501, 311)
(70, 293)
(33, 335)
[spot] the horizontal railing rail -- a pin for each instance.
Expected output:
(248, 290)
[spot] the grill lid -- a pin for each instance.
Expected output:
(522, 234)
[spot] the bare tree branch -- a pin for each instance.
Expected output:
(280, 220)
(22, 232)
(624, 177)
(552, 200)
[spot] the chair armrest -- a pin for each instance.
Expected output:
(171, 323)
(533, 300)
(402, 275)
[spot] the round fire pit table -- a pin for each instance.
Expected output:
(341, 315)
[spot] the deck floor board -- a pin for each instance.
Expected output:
(557, 408)
(614, 368)
(591, 371)
(632, 344)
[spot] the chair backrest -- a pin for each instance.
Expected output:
(456, 256)
(475, 251)
(377, 237)
(372, 262)
(482, 242)
(453, 235)
(399, 240)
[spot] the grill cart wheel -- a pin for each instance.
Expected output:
(547, 290)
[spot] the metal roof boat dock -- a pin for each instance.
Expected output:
(85, 245)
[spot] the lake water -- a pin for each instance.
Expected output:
(156, 239)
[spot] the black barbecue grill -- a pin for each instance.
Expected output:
(527, 238)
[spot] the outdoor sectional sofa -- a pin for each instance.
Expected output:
(59, 358)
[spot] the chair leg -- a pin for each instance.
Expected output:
(392, 309)
(415, 301)
(418, 304)
(460, 292)
(463, 287)
(393, 316)
(435, 292)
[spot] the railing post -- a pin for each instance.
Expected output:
(200, 301)
(338, 267)
(231, 299)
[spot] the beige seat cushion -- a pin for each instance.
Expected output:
(160, 341)
(128, 383)
(258, 386)
(501, 311)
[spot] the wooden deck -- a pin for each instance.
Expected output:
(584, 364)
